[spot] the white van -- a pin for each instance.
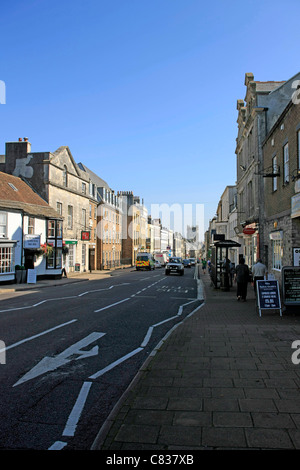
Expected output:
(161, 257)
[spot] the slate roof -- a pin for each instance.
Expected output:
(16, 194)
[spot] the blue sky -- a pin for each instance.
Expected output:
(143, 92)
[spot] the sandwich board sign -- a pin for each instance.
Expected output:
(31, 276)
(268, 296)
(291, 285)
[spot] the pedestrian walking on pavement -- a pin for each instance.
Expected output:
(204, 266)
(242, 278)
(259, 270)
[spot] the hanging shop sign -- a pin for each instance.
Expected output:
(248, 231)
(85, 235)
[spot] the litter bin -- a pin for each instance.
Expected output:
(77, 267)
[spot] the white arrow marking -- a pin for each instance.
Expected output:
(51, 363)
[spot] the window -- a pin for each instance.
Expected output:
(59, 208)
(250, 196)
(59, 228)
(6, 260)
(3, 224)
(274, 167)
(51, 228)
(70, 217)
(276, 254)
(83, 188)
(65, 176)
(58, 258)
(83, 255)
(83, 217)
(286, 167)
(30, 225)
(71, 255)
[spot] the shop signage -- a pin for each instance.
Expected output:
(268, 296)
(71, 242)
(248, 231)
(291, 285)
(295, 205)
(296, 256)
(32, 242)
(85, 235)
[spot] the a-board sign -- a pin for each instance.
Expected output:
(31, 276)
(268, 296)
(291, 285)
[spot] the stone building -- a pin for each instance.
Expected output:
(59, 181)
(257, 113)
(109, 223)
(281, 152)
(131, 228)
(27, 224)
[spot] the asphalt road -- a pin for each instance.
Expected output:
(72, 351)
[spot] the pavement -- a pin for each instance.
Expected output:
(223, 379)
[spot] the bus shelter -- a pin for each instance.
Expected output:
(219, 271)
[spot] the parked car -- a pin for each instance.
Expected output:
(186, 263)
(157, 264)
(174, 266)
(193, 261)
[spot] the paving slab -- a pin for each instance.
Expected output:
(223, 379)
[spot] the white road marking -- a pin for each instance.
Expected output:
(58, 445)
(75, 414)
(116, 363)
(111, 305)
(61, 298)
(48, 364)
(37, 335)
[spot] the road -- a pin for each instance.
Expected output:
(71, 352)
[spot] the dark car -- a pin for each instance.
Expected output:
(186, 263)
(193, 261)
(174, 266)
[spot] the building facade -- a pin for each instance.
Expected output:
(257, 113)
(281, 151)
(60, 182)
(30, 231)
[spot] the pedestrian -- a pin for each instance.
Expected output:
(226, 269)
(209, 266)
(242, 278)
(63, 271)
(204, 266)
(259, 271)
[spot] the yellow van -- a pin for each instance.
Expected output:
(144, 261)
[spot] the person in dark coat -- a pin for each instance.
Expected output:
(242, 278)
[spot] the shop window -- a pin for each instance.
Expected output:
(6, 260)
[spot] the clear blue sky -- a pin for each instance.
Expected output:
(143, 92)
